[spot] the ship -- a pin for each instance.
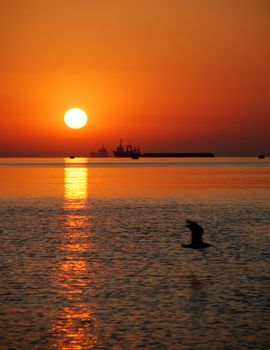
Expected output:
(129, 152)
(134, 153)
(261, 156)
(101, 153)
(178, 155)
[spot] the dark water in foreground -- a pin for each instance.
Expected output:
(91, 254)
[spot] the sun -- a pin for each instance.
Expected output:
(75, 118)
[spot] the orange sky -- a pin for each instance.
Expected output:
(174, 75)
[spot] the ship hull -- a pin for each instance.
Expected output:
(122, 154)
(135, 153)
(164, 155)
(177, 155)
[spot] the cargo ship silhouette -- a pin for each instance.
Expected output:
(101, 153)
(129, 152)
(134, 152)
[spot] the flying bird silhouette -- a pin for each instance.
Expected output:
(196, 236)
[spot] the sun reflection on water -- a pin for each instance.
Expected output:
(75, 326)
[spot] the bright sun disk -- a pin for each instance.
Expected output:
(75, 118)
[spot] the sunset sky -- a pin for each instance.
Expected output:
(174, 75)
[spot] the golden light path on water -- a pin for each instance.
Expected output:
(75, 327)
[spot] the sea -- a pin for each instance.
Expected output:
(91, 254)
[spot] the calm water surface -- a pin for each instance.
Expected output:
(91, 254)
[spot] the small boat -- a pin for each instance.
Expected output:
(135, 155)
(71, 157)
(261, 156)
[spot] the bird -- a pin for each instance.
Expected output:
(196, 236)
